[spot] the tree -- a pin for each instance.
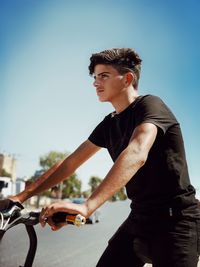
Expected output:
(4, 173)
(49, 159)
(86, 193)
(71, 187)
(120, 195)
(94, 182)
(46, 162)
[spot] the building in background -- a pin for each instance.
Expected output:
(8, 165)
(7, 187)
(7, 175)
(20, 184)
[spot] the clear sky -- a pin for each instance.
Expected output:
(47, 101)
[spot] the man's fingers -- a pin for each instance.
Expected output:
(43, 217)
(51, 223)
(55, 227)
(58, 226)
(49, 211)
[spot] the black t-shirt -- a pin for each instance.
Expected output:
(163, 181)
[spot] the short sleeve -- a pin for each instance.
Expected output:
(97, 137)
(152, 109)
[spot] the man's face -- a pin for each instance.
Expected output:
(108, 82)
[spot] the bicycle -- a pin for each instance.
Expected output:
(16, 214)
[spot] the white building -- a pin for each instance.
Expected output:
(8, 163)
(9, 187)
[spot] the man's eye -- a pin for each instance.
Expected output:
(104, 76)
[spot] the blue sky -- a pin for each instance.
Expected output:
(46, 95)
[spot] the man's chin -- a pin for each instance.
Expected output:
(103, 99)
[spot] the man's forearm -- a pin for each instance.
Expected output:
(52, 177)
(122, 171)
(59, 172)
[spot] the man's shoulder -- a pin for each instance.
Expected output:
(150, 100)
(150, 97)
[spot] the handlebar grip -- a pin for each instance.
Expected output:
(75, 219)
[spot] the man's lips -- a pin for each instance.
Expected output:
(100, 91)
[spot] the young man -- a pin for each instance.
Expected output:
(144, 140)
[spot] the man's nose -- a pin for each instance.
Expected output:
(96, 83)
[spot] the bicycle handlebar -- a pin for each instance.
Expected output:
(15, 215)
(75, 219)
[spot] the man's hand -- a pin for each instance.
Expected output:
(15, 199)
(6, 204)
(70, 208)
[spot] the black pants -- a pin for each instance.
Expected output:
(170, 243)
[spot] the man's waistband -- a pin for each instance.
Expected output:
(165, 212)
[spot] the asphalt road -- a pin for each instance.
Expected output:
(70, 246)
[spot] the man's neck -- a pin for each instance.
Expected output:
(124, 101)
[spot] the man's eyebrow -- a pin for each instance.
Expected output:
(99, 74)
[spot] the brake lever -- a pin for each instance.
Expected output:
(7, 216)
(30, 218)
(26, 217)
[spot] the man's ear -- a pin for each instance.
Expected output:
(129, 78)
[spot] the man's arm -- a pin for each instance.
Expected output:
(59, 172)
(131, 159)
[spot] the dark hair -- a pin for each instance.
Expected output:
(122, 59)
